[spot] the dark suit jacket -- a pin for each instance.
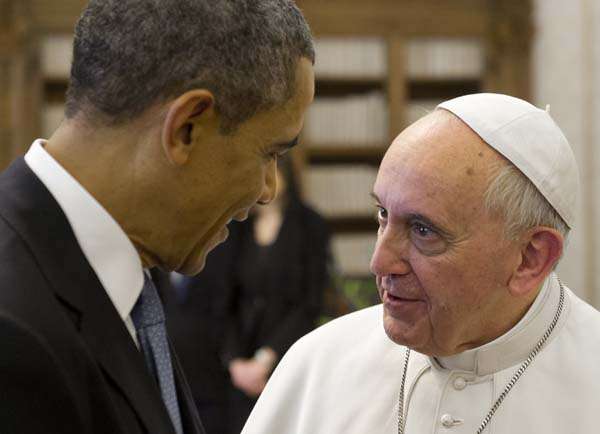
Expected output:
(67, 361)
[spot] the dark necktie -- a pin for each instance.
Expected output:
(149, 320)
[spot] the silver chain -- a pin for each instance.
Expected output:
(401, 399)
(511, 383)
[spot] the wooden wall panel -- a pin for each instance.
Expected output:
(385, 17)
(509, 47)
(20, 92)
(56, 15)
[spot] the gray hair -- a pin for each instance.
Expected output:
(514, 197)
(131, 54)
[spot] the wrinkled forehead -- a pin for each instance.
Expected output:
(438, 154)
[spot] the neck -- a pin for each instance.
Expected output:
(109, 164)
(516, 344)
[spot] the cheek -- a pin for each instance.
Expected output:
(457, 285)
(247, 182)
(443, 282)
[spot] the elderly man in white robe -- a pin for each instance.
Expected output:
(476, 333)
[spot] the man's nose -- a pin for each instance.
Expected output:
(391, 254)
(270, 185)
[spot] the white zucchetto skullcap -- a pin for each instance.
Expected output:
(528, 138)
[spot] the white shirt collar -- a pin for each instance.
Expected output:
(516, 344)
(107, 248)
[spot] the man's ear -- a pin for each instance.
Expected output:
(183, 115)
(541, 249)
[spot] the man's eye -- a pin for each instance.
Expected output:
(427, 240)
(422, 230)
(381, 213)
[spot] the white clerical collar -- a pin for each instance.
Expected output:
(514, 346)
(107, 248)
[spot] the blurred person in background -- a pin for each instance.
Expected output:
(281, 273)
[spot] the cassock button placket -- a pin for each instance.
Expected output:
(448, 421)
(459, 383)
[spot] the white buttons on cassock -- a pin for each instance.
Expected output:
(448, 421)
(459, 383)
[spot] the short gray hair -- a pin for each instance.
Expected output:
(130, 54)
(513, 196)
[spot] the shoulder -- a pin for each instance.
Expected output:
(582, 315)
(33, 377)
(346, 343)
(329, 371)
(344, 333)
(23, 345)
(579, 335)
(18, 263)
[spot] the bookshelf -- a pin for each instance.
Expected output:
(396, 60)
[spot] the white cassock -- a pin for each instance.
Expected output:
(345, 378)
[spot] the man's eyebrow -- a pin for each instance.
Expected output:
(283, 147)
(420, 217)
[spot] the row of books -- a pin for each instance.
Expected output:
(426, 58)
(356, 120)
(351, 57)
(56, 55)
(352, 253)
(445, 58)
(340, 190)
(356, 57)
(348, 57)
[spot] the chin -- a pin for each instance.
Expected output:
(193, 264)
(401, 333)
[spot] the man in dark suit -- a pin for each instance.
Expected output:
(176, 113)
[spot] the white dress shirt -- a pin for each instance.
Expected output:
(106, 247)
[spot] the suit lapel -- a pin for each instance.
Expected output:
(33, 212)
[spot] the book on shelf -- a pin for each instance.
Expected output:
(340, 190)
(352, 253)
(444, 58)
(361, 58)
(349, 121)
(56, 56)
